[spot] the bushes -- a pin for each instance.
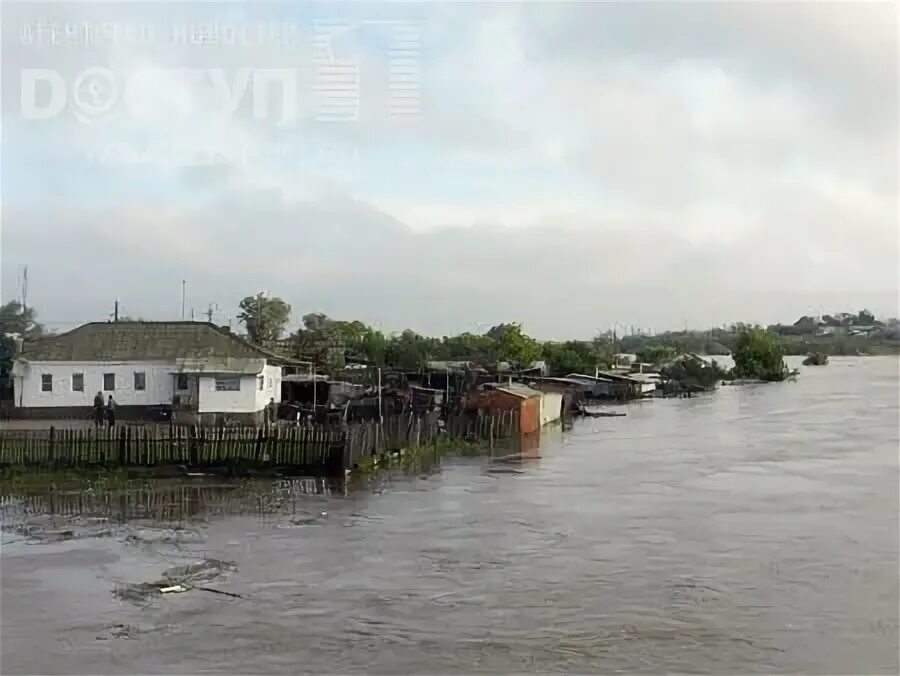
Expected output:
(759, 354)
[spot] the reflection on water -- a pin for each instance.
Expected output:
(754, 530)
(165, 500)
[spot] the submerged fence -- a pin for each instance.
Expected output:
(319, 449)
(164, 501)
(402, 431)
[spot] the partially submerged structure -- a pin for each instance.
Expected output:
(573, 392)
(512, 397)
(617, 385)
(816, 359)
(534, 407)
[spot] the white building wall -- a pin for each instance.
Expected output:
(249, 399)
(271, 387)
(159, 383)
(551, 407)
(233, 401)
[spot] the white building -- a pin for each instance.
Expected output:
(201, 370)
(552, 407)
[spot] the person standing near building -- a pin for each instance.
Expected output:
(111, 412)
(99, 410)
(271, 412)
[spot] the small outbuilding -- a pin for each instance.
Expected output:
(497, 397)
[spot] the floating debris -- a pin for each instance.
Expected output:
(177, 580)
(177, 589)
(134, 631)
(816, 359)
(49, 529)
(305, 520)
(166, 536)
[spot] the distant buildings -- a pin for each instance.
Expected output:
(862, 323)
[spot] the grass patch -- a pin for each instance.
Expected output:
(27, 480)
(421, 456)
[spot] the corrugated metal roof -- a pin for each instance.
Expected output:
(143, 341)
(560, 381)
(621, 377)
(580, 377)
(645, 377)
(518, 390)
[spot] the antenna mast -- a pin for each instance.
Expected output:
(25, 290)
(213, 307)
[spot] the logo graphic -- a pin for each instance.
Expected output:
(337, 77)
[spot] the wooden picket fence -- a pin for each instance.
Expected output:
(317, 449)
(402, 431)
(176, 445)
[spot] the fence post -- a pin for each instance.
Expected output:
(492, 435)
(123, 446)
(192, 446)
(259, 443)
(51, 455)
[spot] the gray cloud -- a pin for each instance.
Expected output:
(744, 158)
(348, 259)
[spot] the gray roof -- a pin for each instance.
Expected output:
(516, 389)
(143, 341)
(559, 381)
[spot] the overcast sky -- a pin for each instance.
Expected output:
(569, 166)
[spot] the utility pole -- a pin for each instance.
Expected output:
(183, 284)
(380, 414)
(116, 311)
(213, 307)
(25, 290)
(312, 374)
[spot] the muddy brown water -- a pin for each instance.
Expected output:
(754, 530)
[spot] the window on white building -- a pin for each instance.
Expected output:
(109, 382)
(140, 381)
(181, 382)
(78, 382)
(46, 382)
(228, 384)
(260, 382)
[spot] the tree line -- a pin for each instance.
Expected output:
(332, 343)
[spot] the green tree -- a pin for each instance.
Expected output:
(316, 321)
(320, 340)
(264, 317)
(481, 349)
(372, 346)
(408, 350)
(657, 354)
(570, 357)
(514, 345)
(759, 354)
(14, 318)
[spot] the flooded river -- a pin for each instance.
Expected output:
(753, 530)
